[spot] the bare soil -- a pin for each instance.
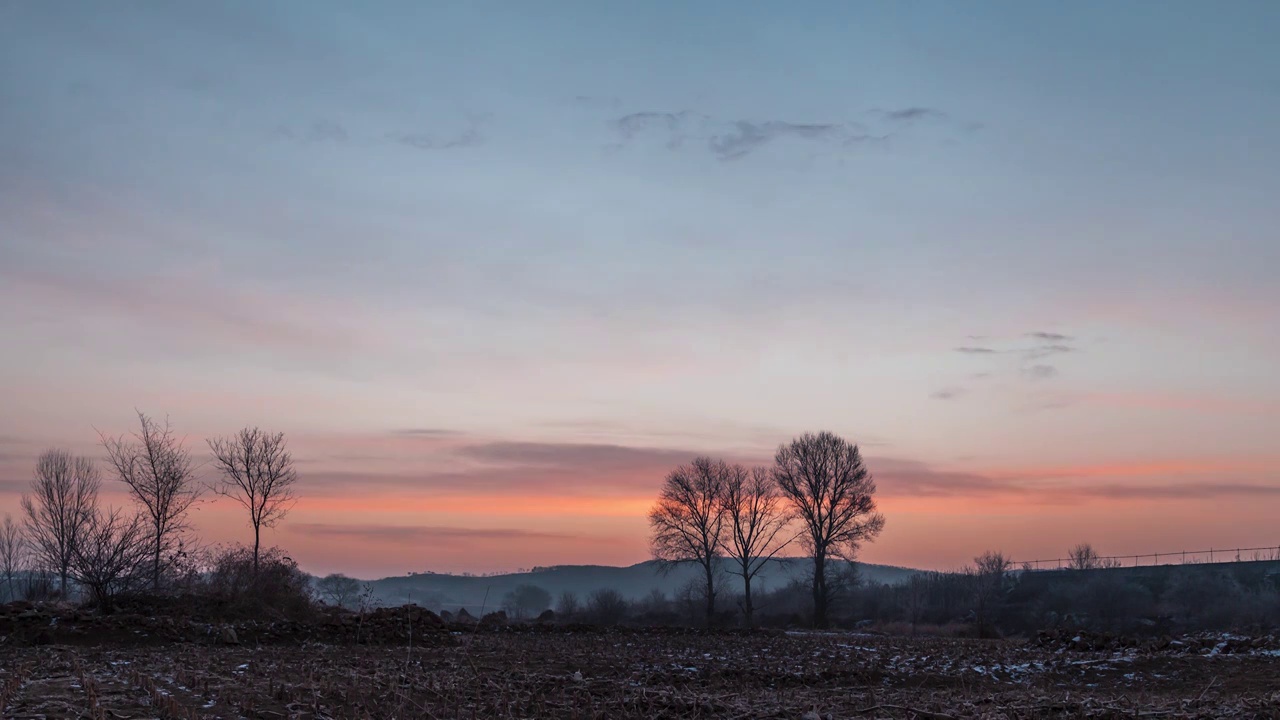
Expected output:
(512, 672)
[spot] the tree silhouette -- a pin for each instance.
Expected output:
(160, 474)
(338, 589)
(257, 472)
(111, 558)
(688, 521)
(755, 525)
(832, 493)
(59, 510)
(13, 555)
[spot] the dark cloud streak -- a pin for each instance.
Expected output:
(1040, 372)
(424, 535)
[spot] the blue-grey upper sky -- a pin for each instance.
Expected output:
(975, 236)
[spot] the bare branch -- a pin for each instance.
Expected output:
(832, 493)
(157, 467)
(13, 556)
(756, 524)
(113, 555)
(64, 493)
(688, 520)
(257, 472)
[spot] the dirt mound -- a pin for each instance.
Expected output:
(1202, 644)
(26, 624)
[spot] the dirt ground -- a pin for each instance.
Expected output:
(613, 675)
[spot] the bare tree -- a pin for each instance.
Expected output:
(257, 472)
(832, 493)
(917, 598)
(755, 525)
(158, 469)
(988, 574)
(568, 605)
(1084, 557)
(526, 601)
(13, 556)
(338, 589)
(607, 606)
(688, 521)
(113, 555)
(64, 494)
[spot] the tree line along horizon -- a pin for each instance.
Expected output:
(818, 493)
(112, 551)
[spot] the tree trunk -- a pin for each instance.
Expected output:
(746, 600)
(155, 565)
(62, 584)
(819, 591)
(257, 535)
(711, 596)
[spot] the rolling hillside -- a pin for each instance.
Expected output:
(450, 592)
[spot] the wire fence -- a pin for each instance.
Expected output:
(1179, 557)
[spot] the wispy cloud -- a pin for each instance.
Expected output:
(1187, 491)
(1191, 402)
(427, 432)
(896, 477)
(674, 126)
(1048, 344)
(1046, 351)
(587, 456)
(733, 139)
(1040, 372)
(423, 535)
(911, 113)
(468, 137)
(746, 137)
(950, 393)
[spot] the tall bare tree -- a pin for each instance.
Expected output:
(64, 494)
(688, 521)
(755, 526)
(113, 555)
(13, 556)
(832, 493)
(257, 472)
(988, 574)
(156, 465)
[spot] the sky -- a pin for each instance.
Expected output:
(496, 267)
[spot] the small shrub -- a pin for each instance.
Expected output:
(278, 589)
(607, 607)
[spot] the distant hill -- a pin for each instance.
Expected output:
(450, 592)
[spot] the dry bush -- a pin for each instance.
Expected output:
(110, 556)
(278, 588)
(607, 607)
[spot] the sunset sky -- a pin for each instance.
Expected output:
(495, 267)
